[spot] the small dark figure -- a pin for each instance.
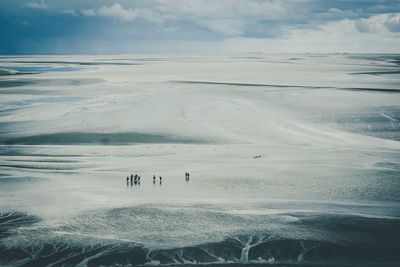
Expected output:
(160, 180)
(131, 178)
(154, 179)
(188, 176)
(138, 178)
(127, 179)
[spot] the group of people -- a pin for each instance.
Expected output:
(135, 179)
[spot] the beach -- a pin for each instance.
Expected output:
(294, 160)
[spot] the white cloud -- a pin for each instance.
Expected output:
(37, 5)
(225, 9)
(117, 11)
(69, 12)
(238, 18)
(128, 14)
(389, 23)
(227, 17)
(339, 36)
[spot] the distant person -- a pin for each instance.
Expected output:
(131, 178)
(154, 179)
(127, 179)
(188, 176)
(160, 180)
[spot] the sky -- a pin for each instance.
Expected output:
(199, 26)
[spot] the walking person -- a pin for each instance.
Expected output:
(154, 179)
(160, 180)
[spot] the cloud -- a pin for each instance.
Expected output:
(392, 23)
(88, 12)
(69, 12)
(37, 5)
(379, 23)
(229, 17)
(363, 25)
(127, 14)
(227, 9)
(117, 11)
(245, 18)
(337, 36)
(226, 27)
(242, 25)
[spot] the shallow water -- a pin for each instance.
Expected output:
(293, 159)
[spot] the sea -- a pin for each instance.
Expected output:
(293, 160)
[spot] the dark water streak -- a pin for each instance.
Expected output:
(120, 138)
(300, 87)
